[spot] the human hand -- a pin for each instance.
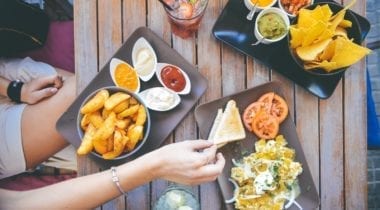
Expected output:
(184, 163)
(40, 88)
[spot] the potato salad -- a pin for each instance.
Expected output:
(267, 178)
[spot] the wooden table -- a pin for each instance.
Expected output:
(332, 131)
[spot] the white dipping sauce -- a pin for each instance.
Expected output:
(145, 61)
(160, 98)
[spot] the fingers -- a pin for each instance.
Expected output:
(45, 93)
(209, 172)
(199, 144)
(209, 154)
(53, 80)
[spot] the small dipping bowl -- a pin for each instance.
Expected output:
(261, 4)
(264, 14)
(294, 14)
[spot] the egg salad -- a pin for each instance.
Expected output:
(267, 178)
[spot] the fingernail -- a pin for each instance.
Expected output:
(53, 90)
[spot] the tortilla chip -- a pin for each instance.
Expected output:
(320, 39)
(309, 53)
(348, 53)
(305, 19)
(313, 33)
(297, 37)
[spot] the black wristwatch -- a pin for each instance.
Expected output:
(14, 90)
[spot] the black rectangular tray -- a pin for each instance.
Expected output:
(235, 30)
(205, 115)
(163, 123)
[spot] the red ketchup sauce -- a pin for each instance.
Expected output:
(173, 78)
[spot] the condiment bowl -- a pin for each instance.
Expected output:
(172, 81)
(115, 62)
(144, 59)
(276, 11)
(293, 14)
(160, 98)
(260, 5)
(146, 125)
(353, 32)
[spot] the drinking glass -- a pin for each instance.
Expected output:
(185, 20)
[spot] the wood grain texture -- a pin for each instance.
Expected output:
(109, 41)
(306, 119)
(332, 154)
(109, 29)
(86, 42)
(86, 59)
(187, 129)
(355, 130)
(332, 131)
(133, 16)
(209, 65)
(157, 20)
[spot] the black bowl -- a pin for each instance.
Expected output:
(111, 90)
(354, 32)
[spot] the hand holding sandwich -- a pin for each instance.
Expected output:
(195, 162)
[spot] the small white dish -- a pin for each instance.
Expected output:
(278, 12)
(256, 7)
(160, 99)
(186, 90)
(113, 65)
(144, 59)
(281, 6)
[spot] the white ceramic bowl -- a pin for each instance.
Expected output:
(288, 13)
(277, 11)
(250, 5)
(113, 64)
(144, 59)
(160, 98)
(187, 88)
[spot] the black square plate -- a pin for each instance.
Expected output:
(234, 29)
(205, 115)
(163, 123)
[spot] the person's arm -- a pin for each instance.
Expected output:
(35, 90)
(179, 162)
(3, 86)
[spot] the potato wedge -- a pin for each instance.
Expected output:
(95, 103)
(121, 106)
(115, 99)
(87, 146)
(134, 134)
(96, 119)
(118, 146)
(141, 116)
(128, 112)
(85, 121)
(103, 133)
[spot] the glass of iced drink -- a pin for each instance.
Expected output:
(185, 19)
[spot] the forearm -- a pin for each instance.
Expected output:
(3, 86)
(85, 192)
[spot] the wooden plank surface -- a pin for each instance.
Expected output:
(332, 131)
(355, 131)
(209, 65)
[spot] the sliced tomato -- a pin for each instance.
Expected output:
(279, 108)
(276, 104)
(265, 126)
(267, 99)
(250, 113)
